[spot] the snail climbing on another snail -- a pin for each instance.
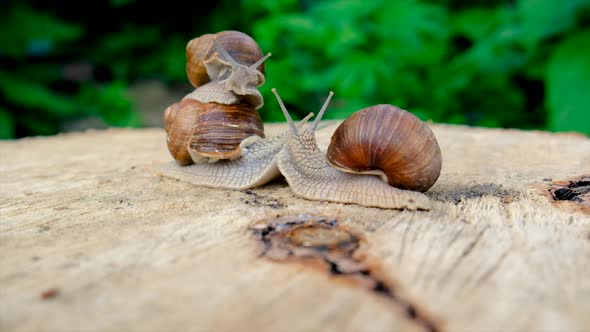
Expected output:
(219, 117)
(256, 166)
(382, 136)
(201, 57)
(231, 82)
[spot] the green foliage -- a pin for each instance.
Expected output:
(23, 31)
(119, 3)
(110, 103)
(28, 86)
(30, 94)
(6, 125)
(522, 63)
(547, 18)
(568, 84)
(477, 64)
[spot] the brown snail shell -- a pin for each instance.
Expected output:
(200, 132)
(390, 142)
(239, 45)
(179, 122)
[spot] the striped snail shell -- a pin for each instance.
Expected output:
(206, 132)
(241, 47)
(390, 142)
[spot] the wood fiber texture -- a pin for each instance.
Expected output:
(91, 238)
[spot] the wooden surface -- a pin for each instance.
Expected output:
(91, 238)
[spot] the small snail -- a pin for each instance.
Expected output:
(310, 175)
(241, 47)
(217, 119)
(231, 82)
(256, 166)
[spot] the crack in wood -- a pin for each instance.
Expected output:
(403, 244)
(443, 253)
(422, 264)
(322, 242)
(487, 274)
(468, 249)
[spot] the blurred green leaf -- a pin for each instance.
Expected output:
(122, 50)
(545, 18)
(413, 32)
(26, 31)
(120, 3)
(495, 35)
(6, 124)
(35, 95)
(476, 23)
(568, 84)
(39, 123)
(169, 59)
(257, 6)
(111, 103)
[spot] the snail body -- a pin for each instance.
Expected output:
(311, 176)
(219, 117)
(389, 142)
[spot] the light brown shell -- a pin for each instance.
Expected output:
(200, 132)
(239, 45)
(387, 141)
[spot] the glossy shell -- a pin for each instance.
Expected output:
(221, 128)
(179, 122)
(390, 142)
(201, 132)
(239, 45)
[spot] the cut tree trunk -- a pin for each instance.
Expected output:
(92, 238)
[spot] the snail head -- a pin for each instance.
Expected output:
(306, 136)
(242, 79)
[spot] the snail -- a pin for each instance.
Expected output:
(311, 175)
(201, 50)
(226, 67)
(256, 166)
(219, 117)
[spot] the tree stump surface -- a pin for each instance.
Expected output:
(93, 238)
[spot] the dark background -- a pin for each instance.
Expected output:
(68, 65)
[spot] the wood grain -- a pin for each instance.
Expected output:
(85, 218)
